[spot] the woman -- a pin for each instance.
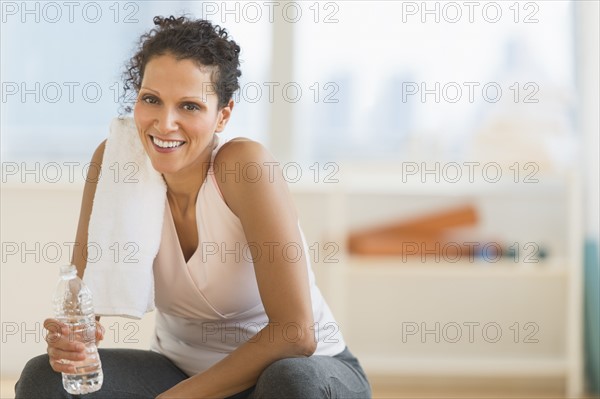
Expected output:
(184, 75)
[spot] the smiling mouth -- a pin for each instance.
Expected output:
(166, 144)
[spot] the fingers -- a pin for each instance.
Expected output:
(62, 340)
(62, 352)
(62, 348)
(54, 325)
(99, 332)
(59, 334)
(59, 354)
(60, 367)
(61, 360)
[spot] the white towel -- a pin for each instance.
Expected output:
(125, 226)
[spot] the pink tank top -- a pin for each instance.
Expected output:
(210, 305)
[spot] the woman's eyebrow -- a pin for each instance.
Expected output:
(203, 100)
(196, 98)
(147, 88)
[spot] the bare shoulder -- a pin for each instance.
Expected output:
(238, 146)
(246, 172)
(241, 154)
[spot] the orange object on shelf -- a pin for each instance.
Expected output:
(424, 234)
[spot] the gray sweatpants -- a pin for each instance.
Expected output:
(137, 374)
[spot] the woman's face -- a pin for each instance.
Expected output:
(176, 114)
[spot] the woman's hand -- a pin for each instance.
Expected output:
(62, 347)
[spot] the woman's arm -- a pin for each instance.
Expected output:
(89, 190)
(269, 218)
(81, 239)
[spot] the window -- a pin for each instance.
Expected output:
(415, 80)
(62, 65)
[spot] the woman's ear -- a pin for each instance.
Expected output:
(224, 115)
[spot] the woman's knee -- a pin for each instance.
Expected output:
(37, 368)
(291, 378)
(39, 380)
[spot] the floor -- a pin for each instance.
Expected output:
(385, 388)
(7, 389)
(463, 388)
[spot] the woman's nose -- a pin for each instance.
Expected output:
(166, 122)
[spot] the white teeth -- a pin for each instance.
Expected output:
(167, 144)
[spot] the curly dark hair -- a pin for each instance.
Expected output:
(198, 40)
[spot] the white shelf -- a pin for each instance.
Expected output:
(511, 291)
(551, 367)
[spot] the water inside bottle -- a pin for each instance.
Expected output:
(88, 376)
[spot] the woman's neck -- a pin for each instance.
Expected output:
(183, 187)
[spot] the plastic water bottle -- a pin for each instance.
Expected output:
(73, 306)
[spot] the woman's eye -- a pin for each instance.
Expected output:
(191, 107)
(149, 99)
